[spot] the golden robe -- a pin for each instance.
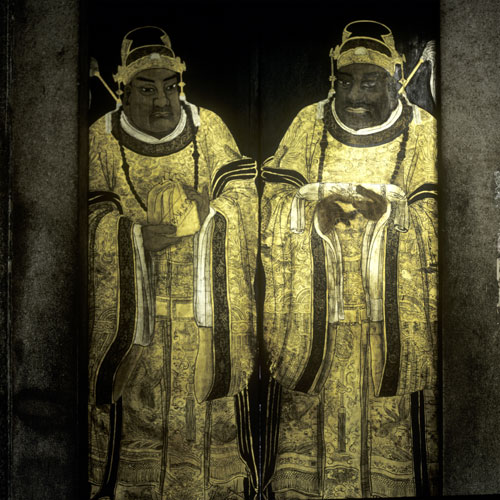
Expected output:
(350, 317)
(180, 428)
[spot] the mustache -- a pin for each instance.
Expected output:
(162, 109)
(358, 104)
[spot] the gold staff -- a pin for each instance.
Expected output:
(94, 71)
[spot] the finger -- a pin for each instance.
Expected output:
(193, 195)
(344, 220)
(171, 240)
(329, 206)
(362, 206)
(161, 242)
(337, 197)
(368, 193)
(166, 227)
(189, 190)
(162, 229)
(158, 227)
(169, 230)
(335, 206)
(344, 199)
(329, 200)
(346, 217)
(362, 190)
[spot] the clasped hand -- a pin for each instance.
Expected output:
(157, 237)
(330, 213)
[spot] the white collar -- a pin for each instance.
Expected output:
(149, 139)
(370, 130)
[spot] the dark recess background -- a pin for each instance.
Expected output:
(256, 64)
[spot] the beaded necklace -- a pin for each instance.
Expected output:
(195, 155)
(324, 145)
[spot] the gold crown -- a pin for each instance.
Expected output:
(368, 50)
(146, 57)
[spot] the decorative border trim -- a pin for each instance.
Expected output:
(221, 329)
(239, 169)
(94, 222)
(126, 321)
(424, 191)
(319, 315)
(142, 148)
(390, 380)
(286, 176)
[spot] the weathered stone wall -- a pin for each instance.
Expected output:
(470, 152)
(45, 267)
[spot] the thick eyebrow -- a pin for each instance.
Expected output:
(142, 79)
(168, 79)
(374, 75)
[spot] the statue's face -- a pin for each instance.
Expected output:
(365, 95)
(151, 101)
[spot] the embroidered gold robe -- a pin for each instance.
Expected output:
(179, 429)
(350, 316)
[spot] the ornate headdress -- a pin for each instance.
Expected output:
(147, 55)
(368, 42)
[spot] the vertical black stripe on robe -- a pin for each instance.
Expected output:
(270, 428)
(327, 358)
(390, 378)
(126, 320)
(422, 485)
(319, 315)
(415, 433)
(221, 340)
(423, 446)
(108, 486)
(207, 438)
(320, 436)
(243, 423)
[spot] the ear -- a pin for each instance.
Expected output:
(393, 86)
(398, 74)
(126, 95)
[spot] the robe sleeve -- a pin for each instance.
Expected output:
(226, 286)
(121, 305)
(411, 286)
(295, 317)
(103, 157)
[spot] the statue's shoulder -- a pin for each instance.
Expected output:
(207, 117)
(103, 125)
(312, 111)
(307, 116)
(423, 118)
